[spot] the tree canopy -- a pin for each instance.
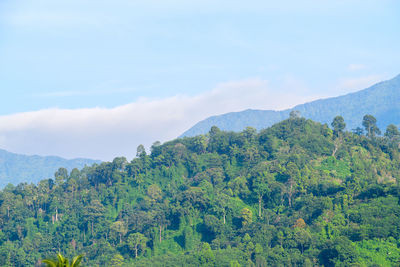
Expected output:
(290, 195)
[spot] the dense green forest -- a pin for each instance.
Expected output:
(299, 193)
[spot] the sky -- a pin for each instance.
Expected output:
(85, 78)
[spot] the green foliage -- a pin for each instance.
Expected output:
(338, 125)
(61, 261)
(117, 260)
(247, 216)
(369, 123)
(137, 241)
(392, 133)
(295, 194)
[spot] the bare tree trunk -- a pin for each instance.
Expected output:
(337, 144)
(259, 205)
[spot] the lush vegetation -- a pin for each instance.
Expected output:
(61, 261)
(295, 194)
(380, 100)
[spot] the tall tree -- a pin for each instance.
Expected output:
(292, 171)
(93, 212)
(120, 228)
(137, 241)
(220, 205)
(369, 123)
(160, 218)
(392, 132)
(261, 185)
(140, 151)
(338, 125)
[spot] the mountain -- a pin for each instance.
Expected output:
(16, 168)
(381, 100)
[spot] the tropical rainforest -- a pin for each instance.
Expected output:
(298, 193)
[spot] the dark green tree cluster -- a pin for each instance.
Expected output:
(295, 194)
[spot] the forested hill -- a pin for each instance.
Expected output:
(381, 100)
(17, 168)
(295, 194)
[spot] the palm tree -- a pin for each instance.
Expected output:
(63, 262)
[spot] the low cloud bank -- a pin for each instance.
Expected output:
(102, 133)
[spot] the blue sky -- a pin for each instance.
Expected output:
(85, 58)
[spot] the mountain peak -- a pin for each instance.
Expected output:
(380, 100)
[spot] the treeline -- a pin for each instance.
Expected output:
(296, 194)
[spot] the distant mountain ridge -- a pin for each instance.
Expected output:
(381, 100)
(17, 168)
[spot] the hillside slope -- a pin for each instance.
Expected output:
(295, 194)
(16, 168)
(381, 100)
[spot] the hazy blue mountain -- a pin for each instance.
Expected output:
(16, 168)
(381, 100)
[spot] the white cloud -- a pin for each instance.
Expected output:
(102, 133)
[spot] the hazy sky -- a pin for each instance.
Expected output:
(85, 78)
